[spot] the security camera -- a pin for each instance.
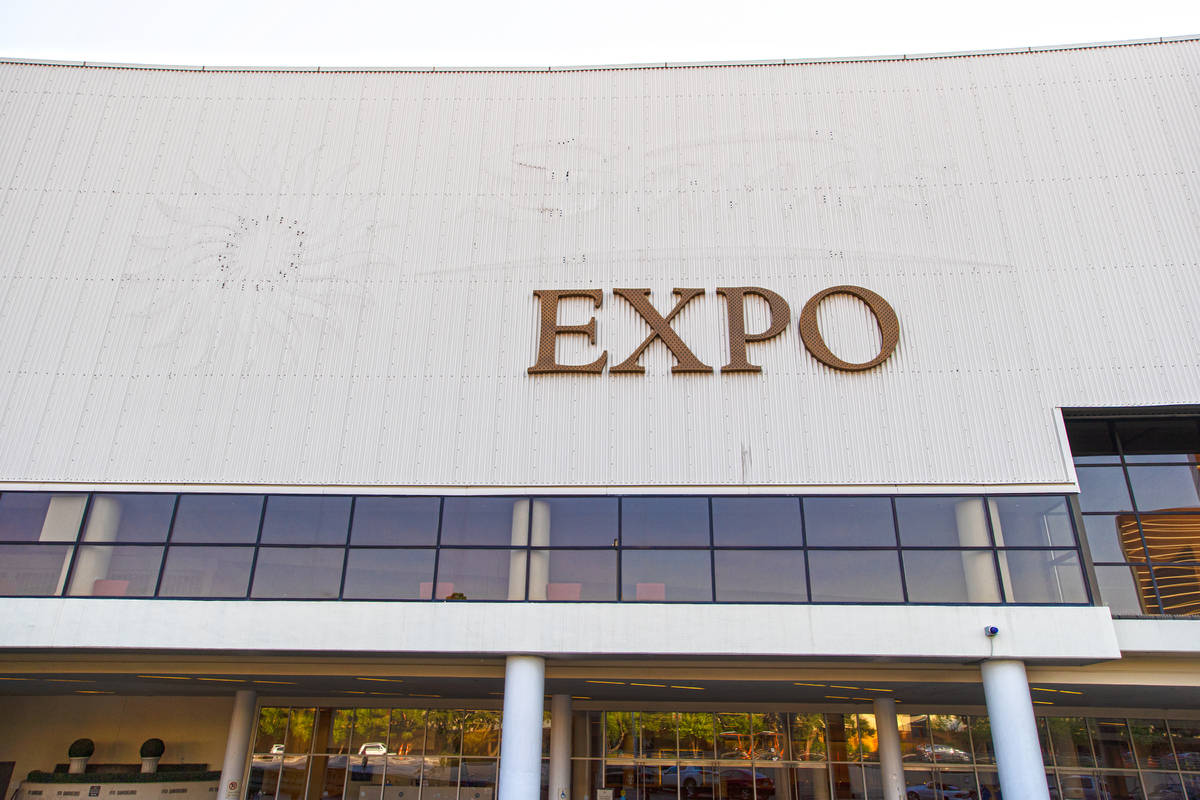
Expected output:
(990, 630)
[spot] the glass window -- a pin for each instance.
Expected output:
(843, 737)
(443, 732)
(1032, 522)
(481, 574)
(1163, 785)
(951, 738)
(855, 576)
(272, 725)
(770, 732)
(406, 733)
(579, 521)
(580, 574)
(942, 522)
(298, 572)
(808, 737)
(40, 517)
(1151, 742)
(206, 572)
(1113, 537)
(1091, 442)
(697, 738)
(760, 576)
(1071, 742)
(1159, 439)
(481, 733)
(757, 522)
(1185, 737)
(489, 521)
(666, 576)
(335, 724)
(951, 576)
(868, 736)
(1103, 489)
(370, 727)
(300, 730)
(1179, 588)
(217, 518)
(1044, 576)
(106, 571)
(396, 521)
(1175, 488)
(388, 574)
(300, 519)
(619, 734)
(1127, 590)
(981, 740)
(1171, 537)
(1110, 740)
(849, 522)
(664, 521)
(32, 569)
(658, 734)
(915, 744)
(129, 518)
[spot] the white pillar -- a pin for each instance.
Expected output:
(979, 566)
(891, 766)
(560, 747)
(1014, 731)
(237, 746)
(521, 732)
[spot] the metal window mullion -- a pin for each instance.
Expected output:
(346, 548)
(899, 553)
(437, 551)
(804, 544)
(75, 545)
(712, 564)
(262, 515)
(619, 544)
(162, 566)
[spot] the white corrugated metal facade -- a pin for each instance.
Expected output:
(326, 278)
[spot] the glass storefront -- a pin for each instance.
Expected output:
(320, 753)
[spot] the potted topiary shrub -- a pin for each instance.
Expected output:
(151, 752)
(79, 752)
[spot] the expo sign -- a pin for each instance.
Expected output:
(685, 360)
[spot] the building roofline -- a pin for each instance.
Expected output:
(615, 67)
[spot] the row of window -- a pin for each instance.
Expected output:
(597, 549)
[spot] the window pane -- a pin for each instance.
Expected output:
(1163, 785)
(756, 522)
(1175, 488)
(304, 572)
(770, 733)
(1110, 740)
(1044, 576)
(942, 522)
(1127, 590)
(1151, 742)
(479, 574)
(481, 733)
(951, 576)
(981, 739)
(666, 576)
(40, 517)
(697, 738)
(300, 730)
(951, 739)
(272, 725)
(657, 734)
(619, 733)
(849, 522)
(763, 576)
(33, 570)
(443, 732)
(1071, 741)
(406, 733)
(1103, 489)
(843, 737)
(915, 744)
(370, 727)
(733, 737)
(580, 574)
(664, 521)
(396, 521)
(129, 518)
(1179, 588)
(580, 521)
(217, 518)
(206, 572)
(306, 520)
(1091, 442)
(1032, 521)
(485, 521)
(1106, 534)
(808, 737)
(1185, 737)
(862, 576)
(1171, 537)
(102, 571)
(1159, 439)
(388, 574)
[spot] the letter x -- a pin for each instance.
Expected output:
(660, 328)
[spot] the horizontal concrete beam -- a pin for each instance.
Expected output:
(1063, 634)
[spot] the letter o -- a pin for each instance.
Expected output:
(885, 318)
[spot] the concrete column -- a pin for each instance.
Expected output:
(891, 766)
(521, 734)
(560, 747)
(237, 747)
(979, 567)
(1014, 731)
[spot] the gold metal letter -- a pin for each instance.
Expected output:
(546, 362)
(885, 318)
(660, 327)
(735, 300)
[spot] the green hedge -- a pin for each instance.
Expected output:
(37, 776)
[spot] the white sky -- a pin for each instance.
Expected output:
(543, 32)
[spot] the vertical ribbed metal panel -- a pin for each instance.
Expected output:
(326, 278)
